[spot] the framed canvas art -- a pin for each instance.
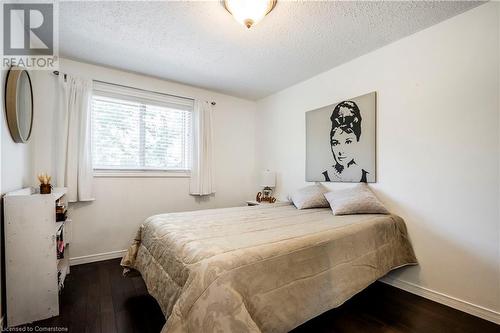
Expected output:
(340, 141)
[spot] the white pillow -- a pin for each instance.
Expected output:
(312, 196)
(357, 200)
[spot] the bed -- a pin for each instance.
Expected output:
(266, 268)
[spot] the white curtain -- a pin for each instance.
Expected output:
(73, 138)
(202, 171)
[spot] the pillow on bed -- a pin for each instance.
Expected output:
(357, 200)
(312, 196)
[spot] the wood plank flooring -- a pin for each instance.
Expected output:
(97, 299)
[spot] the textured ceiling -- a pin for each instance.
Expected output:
(198, 42)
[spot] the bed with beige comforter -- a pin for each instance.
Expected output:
(261, 269)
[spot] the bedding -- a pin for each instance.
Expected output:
(266, 268)
(356, 200)
(312, 196)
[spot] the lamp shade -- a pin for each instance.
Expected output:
(249, 12)
(268, 178)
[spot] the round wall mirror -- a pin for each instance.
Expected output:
(19, 104)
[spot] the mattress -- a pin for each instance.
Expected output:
(267, 268)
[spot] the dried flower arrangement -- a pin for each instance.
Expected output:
(45, 187)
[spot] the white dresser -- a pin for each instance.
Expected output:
(34, 274)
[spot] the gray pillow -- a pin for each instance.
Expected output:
(357, 200)
(312, 196)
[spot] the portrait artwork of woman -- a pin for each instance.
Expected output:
(344, 136)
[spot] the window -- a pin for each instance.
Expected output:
(136, 130)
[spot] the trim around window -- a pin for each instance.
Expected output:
(119, 173)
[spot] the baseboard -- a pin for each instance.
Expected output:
(470, 308)
(96, 257)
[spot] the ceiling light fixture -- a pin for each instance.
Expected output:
(249, 12)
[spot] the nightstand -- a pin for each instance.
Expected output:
(255, 203)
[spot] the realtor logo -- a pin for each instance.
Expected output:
(29, 35)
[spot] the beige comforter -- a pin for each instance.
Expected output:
(264, 268)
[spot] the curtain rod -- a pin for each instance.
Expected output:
(120, 85)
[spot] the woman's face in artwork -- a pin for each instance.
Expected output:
(342, 144)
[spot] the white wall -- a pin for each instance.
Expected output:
(15, 157)
(110, 223)
(498, 31)
(437, 146)
(14, 169)
(14, 163)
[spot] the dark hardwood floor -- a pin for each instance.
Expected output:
(97, 298)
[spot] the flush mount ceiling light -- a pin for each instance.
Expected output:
(249, 12)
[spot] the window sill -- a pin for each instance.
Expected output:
(141, 174)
